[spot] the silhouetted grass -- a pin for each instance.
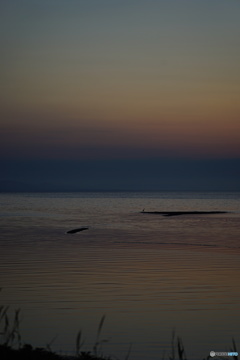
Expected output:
(11, 347)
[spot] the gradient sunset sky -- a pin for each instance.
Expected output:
(119, 85)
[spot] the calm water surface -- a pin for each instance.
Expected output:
(148, 274)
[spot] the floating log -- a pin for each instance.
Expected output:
(177, 213)
(77, 230)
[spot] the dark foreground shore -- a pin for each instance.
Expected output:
(27, 352)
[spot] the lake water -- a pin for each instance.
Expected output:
(148, 274)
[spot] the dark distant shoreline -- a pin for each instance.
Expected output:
(14, 186)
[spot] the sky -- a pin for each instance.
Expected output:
(116, 94)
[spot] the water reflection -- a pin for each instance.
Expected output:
(147, 277)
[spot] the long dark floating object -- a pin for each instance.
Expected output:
(77, 230)
(177, 213)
